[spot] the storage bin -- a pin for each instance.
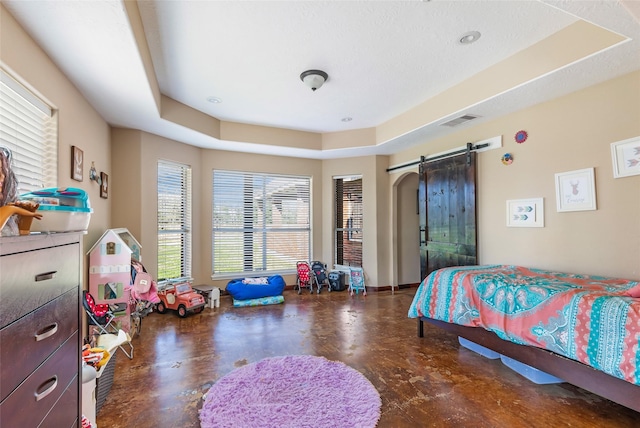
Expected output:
(68, 209)
(105, 380)
(89, 393)
(478, 349)
(531, 373)
(336, 280)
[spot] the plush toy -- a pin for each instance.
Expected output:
(96, 357)
(143, 287)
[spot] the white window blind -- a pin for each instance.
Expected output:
(261, 222)
(174, 221)
(29, 129)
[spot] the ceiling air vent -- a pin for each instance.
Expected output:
(460, 120)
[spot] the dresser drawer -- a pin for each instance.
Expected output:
(26, 343)
(35, 397)
(33, 278)
(65, 412)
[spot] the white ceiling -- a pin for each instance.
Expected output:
(383, 59)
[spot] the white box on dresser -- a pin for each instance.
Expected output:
(40, 334)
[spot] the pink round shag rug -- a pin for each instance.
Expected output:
(292, 391)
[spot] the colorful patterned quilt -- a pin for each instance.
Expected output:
(585, 318)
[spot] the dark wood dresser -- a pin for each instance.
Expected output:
(40, 335)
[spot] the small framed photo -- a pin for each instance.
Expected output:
(626, 157)
(77, 163)
(104, 186)
(525, 212)
(576, 190)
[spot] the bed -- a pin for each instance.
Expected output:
(582, 329)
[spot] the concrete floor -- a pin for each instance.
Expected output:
(423, 382)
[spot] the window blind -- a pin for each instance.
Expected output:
(29, 129)
(349, 220)
(261, 222)
(174, 221)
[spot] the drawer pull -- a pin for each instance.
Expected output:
(49, 388)
(46, 275)
(47, 332)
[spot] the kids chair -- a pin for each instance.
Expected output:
(101, 316)
(356, 282)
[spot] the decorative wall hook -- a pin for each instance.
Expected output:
(521, 136)
(507, 159)
(93, 174)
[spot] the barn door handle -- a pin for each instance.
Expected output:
(423, 236)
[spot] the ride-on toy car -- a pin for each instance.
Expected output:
(180, 297)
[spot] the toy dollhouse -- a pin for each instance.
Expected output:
(110, 272)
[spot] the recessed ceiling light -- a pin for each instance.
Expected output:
(346, 119)
(214, 100)
(470, 37)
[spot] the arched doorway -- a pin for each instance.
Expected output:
(406, 230)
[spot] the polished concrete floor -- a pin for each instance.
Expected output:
(423, 382)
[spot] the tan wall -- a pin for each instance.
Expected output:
(215, 159)
(136, 184)
(406, 243)
(126, 182)
(136, 206)
(78, 123)
(572, 132)
(376, 239)
(383, 252)
(569, 133)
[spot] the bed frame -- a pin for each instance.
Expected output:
(571, 371)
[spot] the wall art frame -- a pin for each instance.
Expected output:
(104, 185)
(525, 212)
(77, 163)
(625, 156)
(576, 190)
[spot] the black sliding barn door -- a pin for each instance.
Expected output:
(447, 207)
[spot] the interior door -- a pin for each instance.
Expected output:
(447, 208)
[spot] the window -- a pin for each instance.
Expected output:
(174, 221)
(261, 222)
(348, 221)
(29, 129)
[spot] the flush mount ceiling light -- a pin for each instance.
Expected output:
(470, 37)
(214, 100)
(314, 78)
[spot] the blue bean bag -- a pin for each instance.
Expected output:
(241, 291)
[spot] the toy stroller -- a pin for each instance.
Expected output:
(356, 282)
(143, 295)
(320, 275)
(304, 277)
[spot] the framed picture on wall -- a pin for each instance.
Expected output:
(576, 190)
(77, 163)
(525, 212)
(104, 186)
(625, 156)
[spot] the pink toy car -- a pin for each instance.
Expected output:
(180, 297)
